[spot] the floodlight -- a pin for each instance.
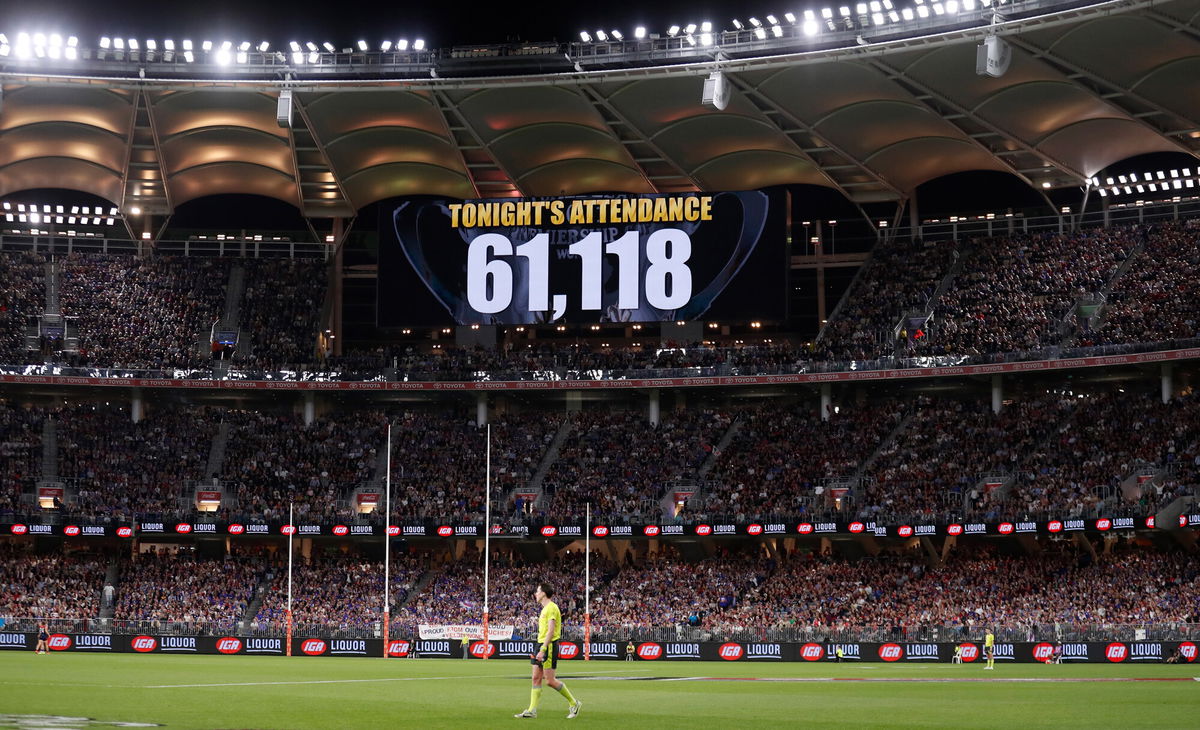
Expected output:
(187, 45)
(601, 36)
(328, 46)
(206, 46)
(760, 33)
(809, 27)
(119, 44)
(777, 31)
(297, 57)
(706, 39)
(737, 24)
(827, 13)
(362, 45)
(772, 20)
(691, 39)
(385, 46)
(314, 57)
(791, 17)
(907, 13)
(188, 57)
(706, 27)
(1174, 173)
(242, 57)
(133, 44)
(264, 47)
(402, 44)
(922, 11)
(418, 45)
(673, 31)
(223, 57)
(639, 32)
(310, 46)
(616, 34)
(690, 29)
(151, 45)
(756, 22)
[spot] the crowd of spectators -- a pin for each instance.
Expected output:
(1013, 293)
(900, 277)
(274, 459)
(50, 586)
(903, 597)
(737, 592)
(1155, 300)
(1087, 459)
(20, 453)
(22, 297)
(622, 464)
(782, 453)
(120, 469)
(340, 591)
(439, 461)
(577, 360)
(146, 312)
(181, 587)
(454, 595)
(663, 590)
(930, 470)
(281, 306)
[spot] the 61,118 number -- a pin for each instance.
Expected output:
(668, 283)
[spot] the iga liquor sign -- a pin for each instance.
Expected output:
(623, 258)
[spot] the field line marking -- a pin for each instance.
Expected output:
(354, 681)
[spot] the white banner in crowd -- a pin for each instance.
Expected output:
(464, 631)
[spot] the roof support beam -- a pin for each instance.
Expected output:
(298, 106)
(461, 122)
(612, 116)
(926, 93)
(1173, 24)
(1068, 67)
(799, 125)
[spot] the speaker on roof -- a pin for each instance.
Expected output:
(992, 57)
(716, 91)
(283, 112)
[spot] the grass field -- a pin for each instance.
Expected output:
(276, 692)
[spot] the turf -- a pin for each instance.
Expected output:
(301, 692)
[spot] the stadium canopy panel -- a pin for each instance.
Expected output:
(1088, 86)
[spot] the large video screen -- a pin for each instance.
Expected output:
(583, 260)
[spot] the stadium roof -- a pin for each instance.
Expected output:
(1087, 87)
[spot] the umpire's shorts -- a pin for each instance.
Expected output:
(551, 657)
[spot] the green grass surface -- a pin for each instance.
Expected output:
(301, 692)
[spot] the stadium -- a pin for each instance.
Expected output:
(813, 364)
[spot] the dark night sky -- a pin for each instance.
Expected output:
(440, 23)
